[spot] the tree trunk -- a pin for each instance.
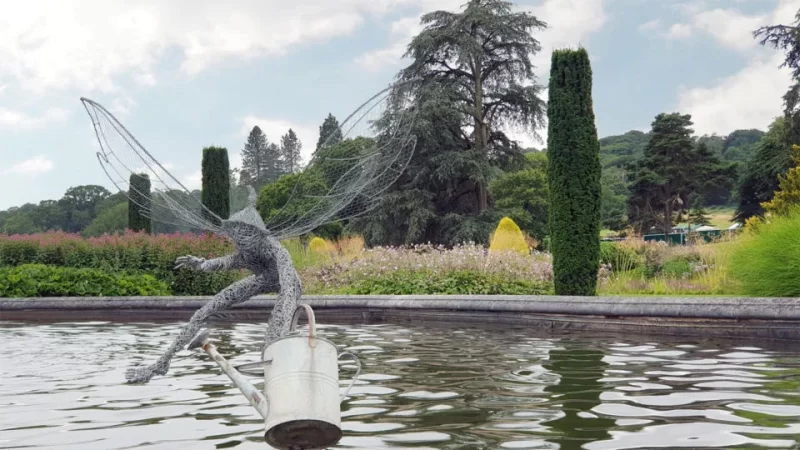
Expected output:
(481, 135)
(667, 219)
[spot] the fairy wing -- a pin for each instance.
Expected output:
(347, 175)
(123, 159)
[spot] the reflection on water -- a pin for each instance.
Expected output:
(437, 387)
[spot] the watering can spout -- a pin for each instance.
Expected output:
(199, 340)
(253, 395)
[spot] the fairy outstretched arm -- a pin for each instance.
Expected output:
(227, 262)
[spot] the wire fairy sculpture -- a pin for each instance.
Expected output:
(378, 155)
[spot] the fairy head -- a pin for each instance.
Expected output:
(242, 226)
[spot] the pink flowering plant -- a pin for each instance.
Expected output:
(428, 269)
(130, 252)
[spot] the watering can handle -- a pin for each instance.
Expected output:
(355, 377)
(312, 323)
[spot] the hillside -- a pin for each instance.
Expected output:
(739, 146)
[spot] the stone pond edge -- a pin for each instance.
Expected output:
(667, 307)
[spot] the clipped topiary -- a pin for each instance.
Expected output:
(508, 237)
(320, 250)
(573, 174)
(139, 192)
(216, 182)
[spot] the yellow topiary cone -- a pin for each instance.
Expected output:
(508, 237)
(320, 250)
(320, 245)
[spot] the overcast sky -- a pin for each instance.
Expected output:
(183, 74)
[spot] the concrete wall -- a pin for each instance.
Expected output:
(735, 317)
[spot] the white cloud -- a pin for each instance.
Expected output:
(193, 181)
(679, 31)
(275, 128)
(62, 44)
(750, 98)
(12, 119)
(569, 22)
(649, 25)
(31, 167)
(729, 26)
(122, 105)
(402, 31)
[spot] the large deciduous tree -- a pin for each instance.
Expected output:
(671, 172)
(787, 39)
(613, 198)
(787, 196)
(139, 193)
(80, 203)
(110, 220)
(483, 54)
(471, 75)
(573, 174)
(434, 199)
(759, 181)
(523, 196)
(216, 182)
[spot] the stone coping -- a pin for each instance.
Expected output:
(724, 308)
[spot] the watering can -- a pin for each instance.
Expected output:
(300, 403)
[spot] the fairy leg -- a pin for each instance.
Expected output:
(234, 294)
(290, 290)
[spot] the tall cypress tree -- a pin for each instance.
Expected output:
(573, 174)
(290, 150)
(139, 193)
(330, 133)
(216, 182)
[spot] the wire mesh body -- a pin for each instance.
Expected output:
(273, 272)
(347, 178)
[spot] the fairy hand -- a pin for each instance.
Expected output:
(189, 261)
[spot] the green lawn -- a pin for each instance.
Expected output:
(721, 217)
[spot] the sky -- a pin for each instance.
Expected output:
(183, 75)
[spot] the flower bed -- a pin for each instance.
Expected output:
(346, 267)
(426, 269)
(134, 253)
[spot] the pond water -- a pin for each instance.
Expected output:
(431, 387)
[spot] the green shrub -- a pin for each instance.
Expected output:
(38, 280)
(129, 252)
(767, 263)
(677, 268)
(14, 253)
(216, 183)
(456, 282)
(193, 282)
(622, 258)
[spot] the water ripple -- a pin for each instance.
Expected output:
(444, 387)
